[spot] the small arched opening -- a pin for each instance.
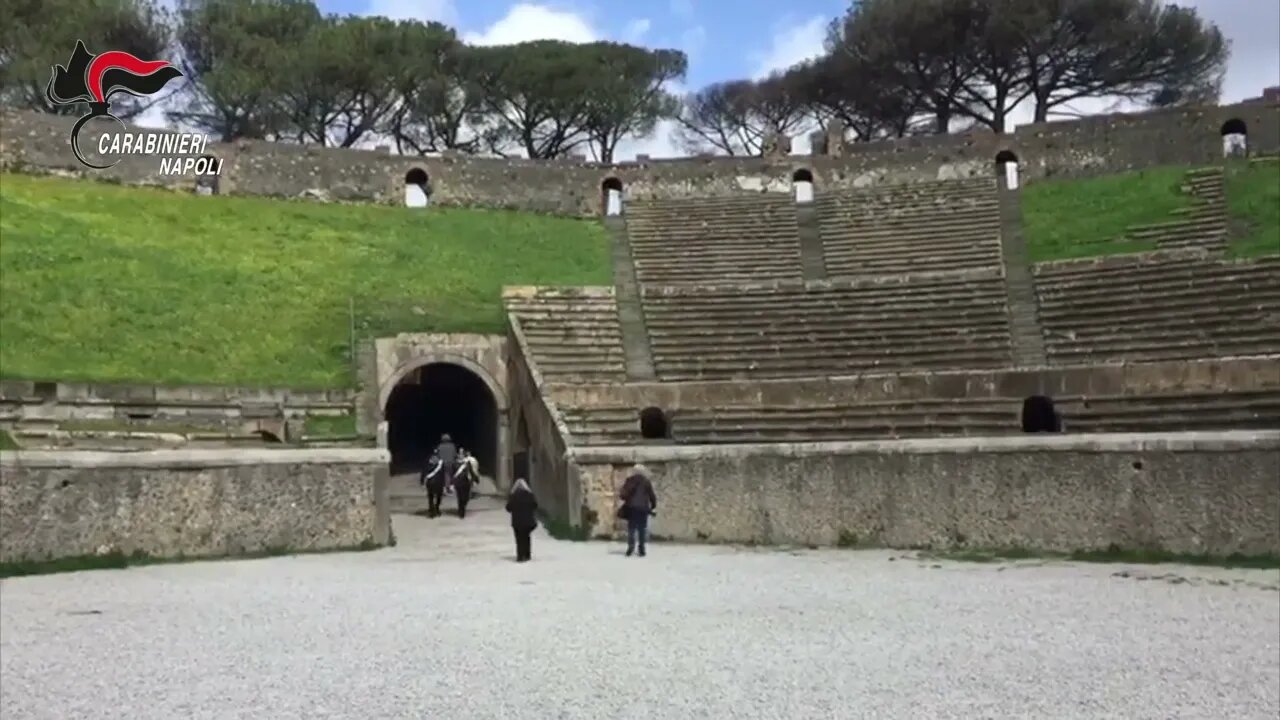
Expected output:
(1007, 169)
(1040, 416)
(654, 424)
(436, 399)
(611, 196)
(417, 191)
(802, 185)
(1235, 138)
(207, 168)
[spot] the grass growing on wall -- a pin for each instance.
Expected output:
(105, 282)
(1085, 217)
(1253, 202)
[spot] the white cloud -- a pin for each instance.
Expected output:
(791, 45)
(692, 41)
(525, 22)
(439, 10)
(1253, 28)
(636, 30)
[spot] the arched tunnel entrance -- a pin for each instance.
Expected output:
(435, 399)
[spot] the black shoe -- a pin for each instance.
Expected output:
(630, 552)
(641, 553)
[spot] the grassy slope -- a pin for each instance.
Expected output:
(1076, 218)
(1065, 219)
(104, 282)
(1253, 199)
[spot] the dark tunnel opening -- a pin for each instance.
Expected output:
(436, 399)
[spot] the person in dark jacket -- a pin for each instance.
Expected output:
(465, 475)
(523, 507)
(639, 501)
(433, 478)
(448, 453)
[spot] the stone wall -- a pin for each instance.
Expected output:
(1196, 493)
(1220, 374)
(190, 503)
(539, 432)
(1096, 145)
(220, 407)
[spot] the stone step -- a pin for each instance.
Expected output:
(1154, 353)
(1126, 267)
(835, 361)
(891, 310)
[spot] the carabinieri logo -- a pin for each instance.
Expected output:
(93, 79)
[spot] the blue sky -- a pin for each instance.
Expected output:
(723, 38)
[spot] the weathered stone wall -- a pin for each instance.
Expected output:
(539, 431)
(190, 503)
(1197, 493)
(221, 407)
(1197, 376)
(1095, 145)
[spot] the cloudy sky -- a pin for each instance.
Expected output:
(727, 39)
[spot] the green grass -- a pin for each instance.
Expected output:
(330, 425)
(1253, 201)
(1110, 555)
(1084, 217)
(111, 283)
(7, 442)
(1087, 217)
(118, 560)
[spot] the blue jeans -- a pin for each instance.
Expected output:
(637, 528)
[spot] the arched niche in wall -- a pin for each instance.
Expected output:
(802, 185)
(654, 424)
(1039, 415)
(1235, 138)
(611, 196)
(207, 170)
(1007, 168)
(417, 191)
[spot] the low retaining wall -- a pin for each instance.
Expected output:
(190, 503)
(1196, 493)
(244, 409)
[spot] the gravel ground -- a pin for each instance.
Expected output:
(446, 626)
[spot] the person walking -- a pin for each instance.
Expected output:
(448, 453)
(465, 476)
(433, 479)
(523, 507)
(639, 502)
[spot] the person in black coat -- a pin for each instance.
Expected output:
(639, 501)
(523, 507)
(432, 478)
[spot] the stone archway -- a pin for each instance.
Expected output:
(438, 393)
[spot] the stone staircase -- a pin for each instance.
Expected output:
(573, 334)
(951, 225)
(1202, 225)
(831, 327)
(744, 238)
(1161, 306)
(635, 337)
(931, 418)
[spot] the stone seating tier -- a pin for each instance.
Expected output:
(740, 238)
(1156, 308)
(572, 334)
(931, 418)
(797, 329)
(951, 225)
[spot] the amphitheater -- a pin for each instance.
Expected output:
(823, 360)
